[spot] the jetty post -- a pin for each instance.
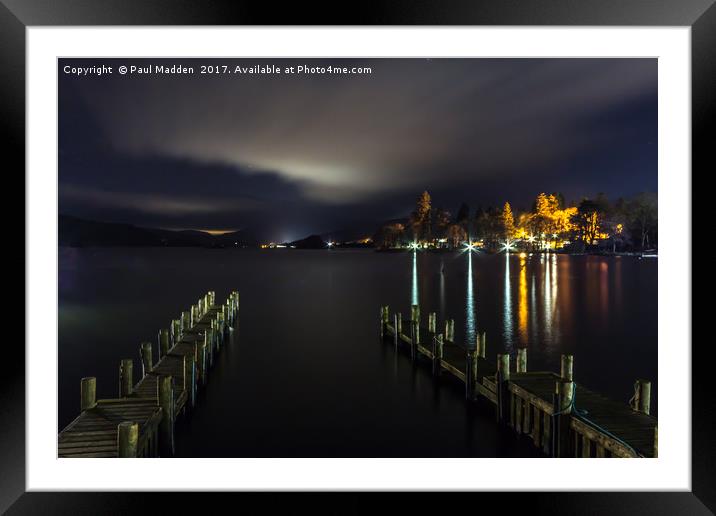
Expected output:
(145, 352)
(176, 331)
(450, 330)
(502, 378)
(432, 323)
(185, 321)
(562, 415)
(165, 395)
(125, 377)
(481, 345)
(163, 343)
(127, 439)
(88, 393)
(384, 319)
(567, 368)
(414, 331)
(642, 396)
(437, 353)
(522, 360)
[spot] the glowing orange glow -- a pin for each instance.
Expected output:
(217, 231)
(522, 300)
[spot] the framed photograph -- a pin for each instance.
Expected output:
(440, 249)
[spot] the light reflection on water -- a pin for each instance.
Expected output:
(470, 319)
(507, 306)
(414, 298)
(112, 299)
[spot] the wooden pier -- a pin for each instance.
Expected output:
(140, 422)
(561, 417)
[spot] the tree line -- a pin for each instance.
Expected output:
(592, 224)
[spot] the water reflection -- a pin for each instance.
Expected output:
(469, 306)
(522, 301)
(507, 308)
(414, 291)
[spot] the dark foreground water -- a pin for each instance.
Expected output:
(307, 375)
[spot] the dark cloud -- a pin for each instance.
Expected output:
(314, 152)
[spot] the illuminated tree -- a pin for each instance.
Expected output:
(456, 235)
(589, 218)
(508, 222)
(421, 218)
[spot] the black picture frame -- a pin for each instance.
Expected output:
(17, 15)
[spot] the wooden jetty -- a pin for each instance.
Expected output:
(140, 422)
(561, 417)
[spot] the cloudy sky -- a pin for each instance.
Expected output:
(292, 154)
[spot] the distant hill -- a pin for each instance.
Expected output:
(75, 232)
(310, 242)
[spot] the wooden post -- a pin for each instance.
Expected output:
(481, 344)
(563, 409)
(399, 325)
(163, 343)
(656, 442)
(502, 378)
(642, 400)
(567, 369)
(450, 330)
(88, 393)
(176, 331)
(127, 439)
(146, 354)
(471, 374)
(522, 360)
(185, 320)
(432, 322)
(166, 427)
(384, 318)
(125, 378)
(437, 353)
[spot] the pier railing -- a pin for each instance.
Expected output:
(140, 421)
(561, 417)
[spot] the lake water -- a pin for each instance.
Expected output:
(307, 375)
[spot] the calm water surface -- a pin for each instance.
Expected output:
(307, 376)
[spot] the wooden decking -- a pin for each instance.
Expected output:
(585, 425)
(94, 432)
(148, 411)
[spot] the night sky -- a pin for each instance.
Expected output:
(289, 155)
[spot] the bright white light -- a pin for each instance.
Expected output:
(414, 245)
(531, 238)
(508, 246)
(330, 244)
(469, 246)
